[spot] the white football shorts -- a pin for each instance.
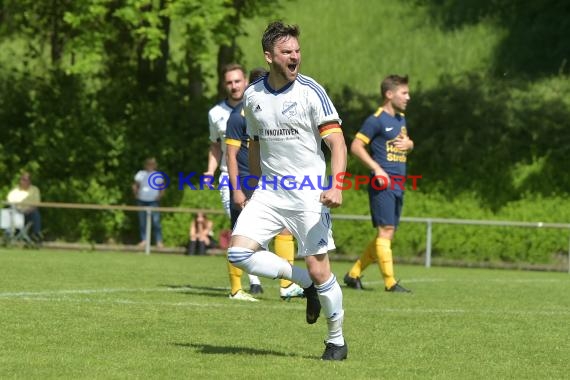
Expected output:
(261, 222)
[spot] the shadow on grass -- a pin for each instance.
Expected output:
(368, 288)
(198, 290)
(211, 349)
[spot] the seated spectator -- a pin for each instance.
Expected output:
(201, 235)
(25, 193)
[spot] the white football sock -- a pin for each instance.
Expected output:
(253, 280)
(330, 296)
(267, 264)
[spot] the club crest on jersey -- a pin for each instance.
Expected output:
(257, 109)
(289, 109)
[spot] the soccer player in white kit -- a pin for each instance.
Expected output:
(234, 82)
(288, 115)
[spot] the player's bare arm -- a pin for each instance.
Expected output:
(335, 141)
(238, 197)
(214, 157)
(358, 148)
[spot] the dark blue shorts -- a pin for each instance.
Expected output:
(385, 206)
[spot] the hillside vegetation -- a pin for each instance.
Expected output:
(489, 112)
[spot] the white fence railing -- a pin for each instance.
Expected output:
(429, 222)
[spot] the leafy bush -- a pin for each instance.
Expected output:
(464, 242)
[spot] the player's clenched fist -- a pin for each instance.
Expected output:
(331, 198)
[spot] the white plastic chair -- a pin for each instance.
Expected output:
(14, 225)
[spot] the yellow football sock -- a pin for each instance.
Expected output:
(384, 255)
(367, 258)
(285, 248)
(235, 278)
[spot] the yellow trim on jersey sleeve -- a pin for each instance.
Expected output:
(233, 142)
(378, 111)
(362, 137)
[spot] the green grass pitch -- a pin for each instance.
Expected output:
(116, 315)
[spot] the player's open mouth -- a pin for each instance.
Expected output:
(292, 67)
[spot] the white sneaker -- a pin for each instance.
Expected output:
(243, 296)
(291, 291)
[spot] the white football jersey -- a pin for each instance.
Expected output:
(218, 119)
(290, 124)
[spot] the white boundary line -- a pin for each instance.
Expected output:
(230, 303)
(190, 288)
(300, 306)
(63, 296)
(103, 290)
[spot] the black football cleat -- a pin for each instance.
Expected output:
(333, 352)
(354, 283)
(255, 289)
(313, 304)
(397, 288)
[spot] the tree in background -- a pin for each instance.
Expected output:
(88, 88)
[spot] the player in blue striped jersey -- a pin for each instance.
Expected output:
(234, 82)
(237, 158)
(288, 116)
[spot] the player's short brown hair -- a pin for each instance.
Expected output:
(391, 82)
(275, 31)
(231, 67)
